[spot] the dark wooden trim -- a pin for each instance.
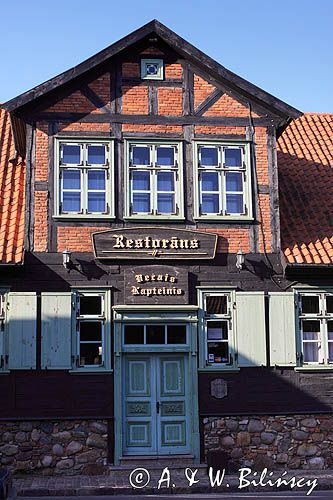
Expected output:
(149, 120)
(221, 137)
(208, 102)
(188, 131)
(152, 135)
(52, 232)
(152, 100)
(263, 189)
(41, 186)
(29, 196)
(188, 90)
(254, 228)
(273, 190)
(171, 82)
(85, 134)
(94, 98)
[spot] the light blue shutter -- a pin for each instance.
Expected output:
(282, 332)
(250, 328)
(56, 330)
(22, 323)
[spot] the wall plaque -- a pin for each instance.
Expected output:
(154, 243)
(156, 285)
(218, 388)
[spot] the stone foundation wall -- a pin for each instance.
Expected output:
(281, 442)
(57, 447)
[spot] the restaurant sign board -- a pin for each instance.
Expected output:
(154, 243)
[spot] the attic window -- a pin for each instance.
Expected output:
(152, 69)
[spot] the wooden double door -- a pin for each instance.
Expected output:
(156, 412)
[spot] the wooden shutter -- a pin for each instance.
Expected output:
(282, 332)
(250, 328)
(56, 330)
(22, 330)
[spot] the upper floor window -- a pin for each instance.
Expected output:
(223, 181)
(154, 180)
(316, 327)
(152, 69)
(84, 179)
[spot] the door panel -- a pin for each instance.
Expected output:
(139, 421)
(172, 394)
(155, 404)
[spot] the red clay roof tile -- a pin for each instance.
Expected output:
(12, 181)
(305, 162)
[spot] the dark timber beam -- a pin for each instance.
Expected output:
(208, 102)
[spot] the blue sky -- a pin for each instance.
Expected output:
(284, 47)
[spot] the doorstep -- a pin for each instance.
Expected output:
(108, 485)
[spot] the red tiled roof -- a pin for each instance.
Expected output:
(305, 163)
(12, 181)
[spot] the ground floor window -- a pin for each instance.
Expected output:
(316, 327)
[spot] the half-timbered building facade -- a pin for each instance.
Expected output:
(166, 245)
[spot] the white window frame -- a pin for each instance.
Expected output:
(205, 318)
(221, 170)
(153, 169)
(323, 317)
(104, 318)
(160, 69)
(84, 167)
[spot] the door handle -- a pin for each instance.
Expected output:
(157, 406)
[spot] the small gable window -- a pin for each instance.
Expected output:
(152, 69)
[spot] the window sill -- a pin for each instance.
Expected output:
(90, 371)
(4, 372)
(84, 217)
(326, 368)
(223, 218)
(220, 369)
(154, 218)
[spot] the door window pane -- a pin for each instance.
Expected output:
(165, 181)
(71, 154)
(233, 157)
(96, 154)
(235, 204)
(155, 334)
(209, 181)
(90, 305)
(141, 155)
(208, 157)
(165, 157)
(216, 304)
(210, 203)
(234, 181)
(310, 304)
(134, 334)
(176, 334)
(165, 203)
(141, 202)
